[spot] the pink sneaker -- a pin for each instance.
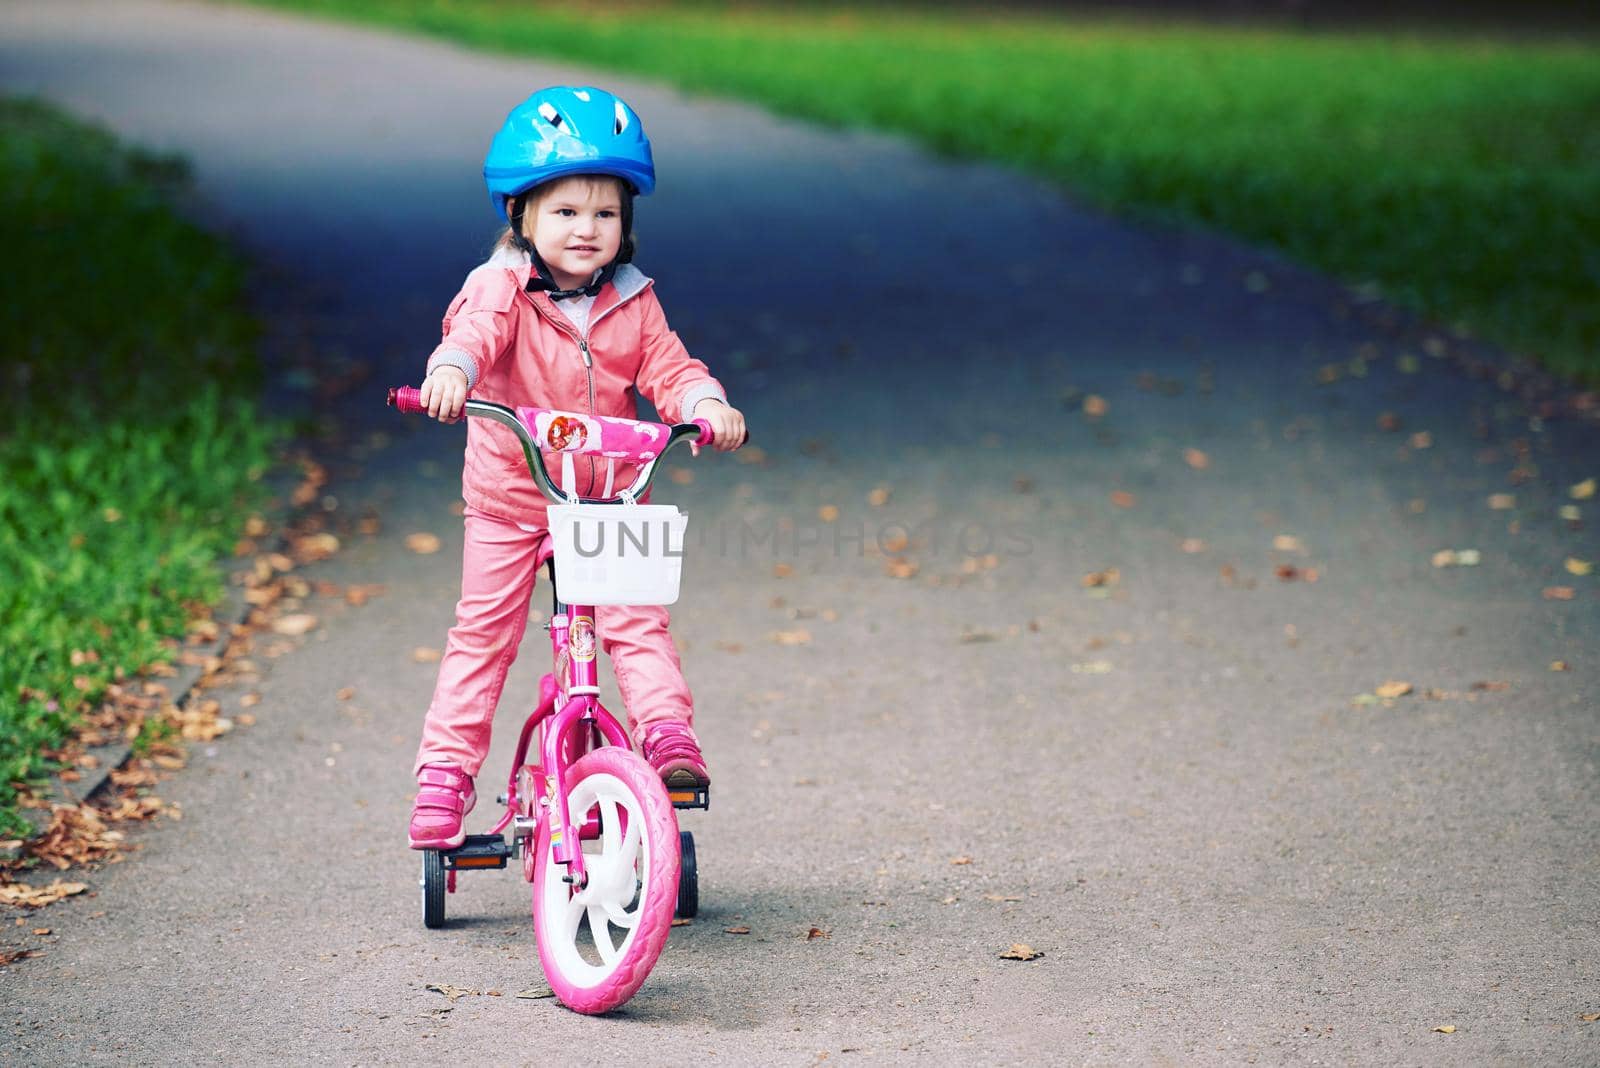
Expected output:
(444, 796)
(673, 751)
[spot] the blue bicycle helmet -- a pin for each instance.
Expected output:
(566, 130)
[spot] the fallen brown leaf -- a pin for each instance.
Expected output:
(452, 992)
(1502, 502)
(1196, 459)
(1560, 665)
(34, 897)
(1001, 897)
(1123, 499)
(736, 930)
(1583, 490)
(295, 625)
(535, 993)
(815, 933)
(828, 513)
(1393, 689)
(1021, 951)
(1589, 1017)
(424, 655)
(313, 547)
(345, 693)
(878, 496)
(961, 860)
(798, 636)
(1095, 406)
(422, 543)
(1559, 593)
(901, 568)
(1493, 686)
(1576, 566)
(1447, 1029)
(677, 921)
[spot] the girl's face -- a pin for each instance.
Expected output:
(576, 226)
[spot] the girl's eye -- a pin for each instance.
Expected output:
(606, 213)
(565, 212)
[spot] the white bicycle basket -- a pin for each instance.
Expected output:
(618, 553)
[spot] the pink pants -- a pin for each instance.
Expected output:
(497, 578)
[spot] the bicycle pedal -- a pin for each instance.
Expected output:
(693, 797)
(478, 851)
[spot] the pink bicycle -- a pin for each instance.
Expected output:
(595, 826)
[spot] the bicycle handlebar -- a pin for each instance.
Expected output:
(408, 399)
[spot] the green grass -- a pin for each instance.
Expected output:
(131, 445)
(1460, 174)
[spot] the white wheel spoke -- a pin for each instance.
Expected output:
(616, 912)
(610, 820)
(601, 933)
(628, 850)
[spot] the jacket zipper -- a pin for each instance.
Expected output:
(588, 369)
(588, 359)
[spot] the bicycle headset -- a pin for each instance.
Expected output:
(561, 131)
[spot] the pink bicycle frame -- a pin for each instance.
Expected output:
(562, 734)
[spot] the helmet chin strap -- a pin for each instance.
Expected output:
(542, 281)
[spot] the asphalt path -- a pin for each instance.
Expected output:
(1166, 784)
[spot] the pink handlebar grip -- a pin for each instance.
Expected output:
(407, 399)
(705, 433)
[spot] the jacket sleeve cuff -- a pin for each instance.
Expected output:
(455, 358)
(697, 393)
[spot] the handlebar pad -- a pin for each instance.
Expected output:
(407, 399)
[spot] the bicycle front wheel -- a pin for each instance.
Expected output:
(598, 944)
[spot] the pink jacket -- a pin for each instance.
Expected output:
(516, 348)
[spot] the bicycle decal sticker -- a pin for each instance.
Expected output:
(583, 640)
(566, 433)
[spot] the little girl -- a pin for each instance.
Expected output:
(559, 318)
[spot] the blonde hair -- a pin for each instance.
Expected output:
(532, 198)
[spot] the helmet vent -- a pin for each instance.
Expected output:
(550, 114)
(622, 118)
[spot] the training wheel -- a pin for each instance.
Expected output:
(688, 878)
(433, 888)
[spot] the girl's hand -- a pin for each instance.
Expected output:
(727, 423)
(444, 393)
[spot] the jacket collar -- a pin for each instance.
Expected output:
(628, 282)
